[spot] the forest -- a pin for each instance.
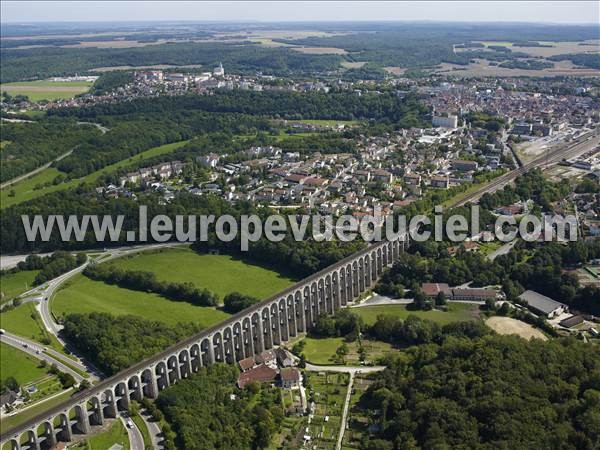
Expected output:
(24, 64)
(207, 411)
(33, 144)
(385, 107)
(487, 392)
(113, 342)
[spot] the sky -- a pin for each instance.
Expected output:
(467, 11)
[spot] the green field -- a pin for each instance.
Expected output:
(116, 434)
(14, 284)
(82, 295)
(24, 190)
(46, 89)
(327, 123)
(321, 351)
(24, 321)
(15, 363)
(456, 312)
(220, 274)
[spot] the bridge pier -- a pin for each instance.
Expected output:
(270, 323)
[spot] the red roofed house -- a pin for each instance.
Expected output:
(290, 377)
(261, 373)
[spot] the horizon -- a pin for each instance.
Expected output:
(526, 12)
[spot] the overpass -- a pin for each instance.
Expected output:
(249, 332)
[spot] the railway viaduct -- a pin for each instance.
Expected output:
(249, 332)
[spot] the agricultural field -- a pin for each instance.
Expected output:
(41, 183)
(23, 367)
(357, 421)
(328, 392)
(508, 325)
(221, 274)
(322, 351)
(456, 312)
(14, 284)
(47, 89)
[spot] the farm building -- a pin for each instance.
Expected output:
(542, 305)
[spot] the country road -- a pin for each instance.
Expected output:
(34, 171)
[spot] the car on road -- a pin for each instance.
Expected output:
(129, 423)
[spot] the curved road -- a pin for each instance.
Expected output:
(37, 351)
(136, 441)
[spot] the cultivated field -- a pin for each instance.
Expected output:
(46, 89)
(41, 183)
(320, 50)
(456, 312)
(508, 325)
(482, 68)
(558, 48)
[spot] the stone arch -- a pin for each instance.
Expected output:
(322, 307)
(299, 311)
(355, 285)
(266, 328)
(46, 437)
(327, 300)
(218, 351)
(314, 302)
(284, 332)
(122, 396)
(195, 357)
(343, 287)
(257, 333)
(275, 336)
(291, 315)
(134, 386)
(237, 342)
(185, 368)
(206, 348)
(308, 318)
(361, 275)
(63, 428)
(335, 291)
(161, 374)
(149, 387)
(173, 369)
(228, 346)
(95, 406)
(247, 341)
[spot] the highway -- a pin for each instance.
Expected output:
(567, 150)
(38, 351)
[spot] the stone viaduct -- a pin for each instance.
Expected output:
(249, 332)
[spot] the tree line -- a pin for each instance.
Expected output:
(140, 280)
(114, 343)
(49, 266)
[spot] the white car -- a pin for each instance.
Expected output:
(129, 423)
